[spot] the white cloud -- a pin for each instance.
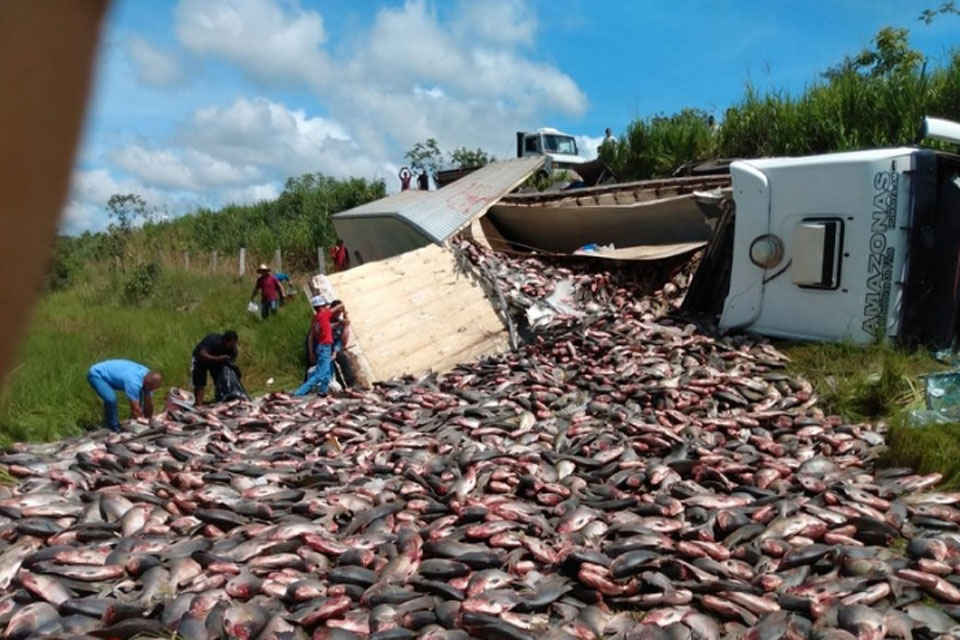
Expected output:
(240, 153)
(286, 141)
(409, 76)
(188, 169)
(505, 21)
(471, 79)
(587, 146)
(159, 167)
(261, 36)
(252, 193)
(154, 67)
(90, 189)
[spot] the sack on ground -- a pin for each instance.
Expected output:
(228, 386)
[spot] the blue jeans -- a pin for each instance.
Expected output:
(320, 377)
(109, 397)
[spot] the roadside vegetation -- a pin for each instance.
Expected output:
(297, 222)
(875, 98)
(154, 316)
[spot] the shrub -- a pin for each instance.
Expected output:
(141, 282)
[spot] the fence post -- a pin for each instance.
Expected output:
(322, 261)
(186, 260)
(213, 261)
(277, 264)
(243, 261)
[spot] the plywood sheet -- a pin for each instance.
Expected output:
(415, 312)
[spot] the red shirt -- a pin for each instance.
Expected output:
(270, 286)
(339, 256)
(323, 334)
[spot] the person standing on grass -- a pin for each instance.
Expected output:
(320, 347)
(271, 291)
(340, 256)
(135, 380)
(210, 356)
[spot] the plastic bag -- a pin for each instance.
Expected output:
(228, 386)
(253, 307)
(923, 418)
(943, 393)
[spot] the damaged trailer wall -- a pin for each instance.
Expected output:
(415, 312)
(411, 219)
(565, 229)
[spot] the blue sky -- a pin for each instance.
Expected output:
(205, 102)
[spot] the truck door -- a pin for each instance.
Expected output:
(531, 145)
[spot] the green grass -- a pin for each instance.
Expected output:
(46, 396)
(882, 383)
(928, 449)
(862, 383)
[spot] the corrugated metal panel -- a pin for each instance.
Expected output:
(392, 204)
(440, 214)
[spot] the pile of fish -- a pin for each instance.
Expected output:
(622, 475)
(529, 282)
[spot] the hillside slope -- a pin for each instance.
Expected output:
(47, 396)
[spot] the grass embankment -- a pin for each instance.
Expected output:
(47, 396)
(882, 383)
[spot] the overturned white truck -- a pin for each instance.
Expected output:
(854, 246)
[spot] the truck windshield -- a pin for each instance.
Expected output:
(560, 144)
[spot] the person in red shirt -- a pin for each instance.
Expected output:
(320, 345)
(270, 291)
(340, 256)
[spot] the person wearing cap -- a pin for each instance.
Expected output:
(270, 291)
(136, 381)
(320, 348)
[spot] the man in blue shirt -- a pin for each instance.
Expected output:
(135, 380)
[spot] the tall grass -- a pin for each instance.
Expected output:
(848, 110)
(46, 396)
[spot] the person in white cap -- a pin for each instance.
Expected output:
(320, 348)
(270, 291)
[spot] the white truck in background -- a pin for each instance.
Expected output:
(562, 154)
(853, 246)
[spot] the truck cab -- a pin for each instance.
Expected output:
(559, 148)
(856, 246)
(562, 154)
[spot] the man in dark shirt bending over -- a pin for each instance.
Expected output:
(210, 355)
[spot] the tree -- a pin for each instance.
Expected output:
(127, 210)
(892, 53)
(425, 156)
(927, 15)
(464, 158)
